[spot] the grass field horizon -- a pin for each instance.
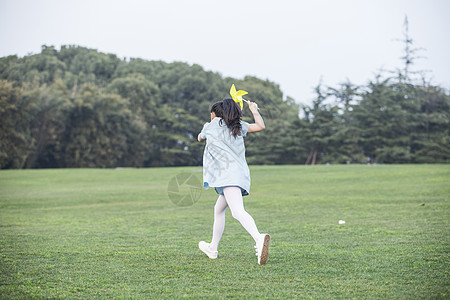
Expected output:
(115, 233)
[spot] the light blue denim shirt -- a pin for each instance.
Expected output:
(224, 161)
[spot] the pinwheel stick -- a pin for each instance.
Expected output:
(247, 102)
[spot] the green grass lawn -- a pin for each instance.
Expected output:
(86, 233)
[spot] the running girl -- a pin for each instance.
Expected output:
(225, 169)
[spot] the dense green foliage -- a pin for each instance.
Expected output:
(109, 234)
(77, 107)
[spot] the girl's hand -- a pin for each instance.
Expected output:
(252, 105)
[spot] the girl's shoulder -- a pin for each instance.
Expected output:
(215, 123)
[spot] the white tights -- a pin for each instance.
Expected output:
(231, 197)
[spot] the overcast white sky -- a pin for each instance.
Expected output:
(293, 43)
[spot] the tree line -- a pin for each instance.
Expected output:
(77, 107)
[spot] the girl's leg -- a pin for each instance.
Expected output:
(233, 197)
(219, 222)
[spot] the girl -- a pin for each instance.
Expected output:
(225, 169)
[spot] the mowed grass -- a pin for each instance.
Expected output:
(104, 233)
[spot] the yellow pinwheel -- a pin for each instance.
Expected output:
(237, 96)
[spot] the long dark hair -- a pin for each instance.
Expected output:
(230, 112)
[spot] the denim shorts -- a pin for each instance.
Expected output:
(219, 190)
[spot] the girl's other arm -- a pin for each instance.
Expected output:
(199, 138)
(259, 122)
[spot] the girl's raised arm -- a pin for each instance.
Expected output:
(259, 122)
